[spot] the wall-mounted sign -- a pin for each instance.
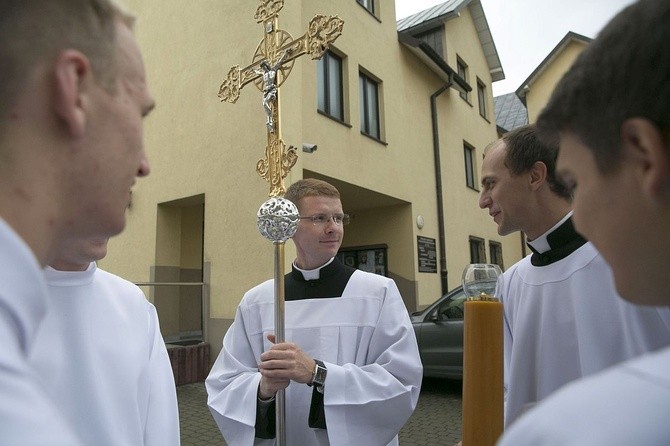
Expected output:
(427, 254)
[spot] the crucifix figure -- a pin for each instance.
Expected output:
(269, 74)
(271, 64)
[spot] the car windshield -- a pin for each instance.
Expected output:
(452, 308)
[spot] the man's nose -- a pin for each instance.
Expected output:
(484, 200)
(330, 225)
(144, 168)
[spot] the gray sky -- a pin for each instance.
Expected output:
(525, 31)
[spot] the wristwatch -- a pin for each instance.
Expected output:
(319, 376)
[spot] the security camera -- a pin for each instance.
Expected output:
(309, 148)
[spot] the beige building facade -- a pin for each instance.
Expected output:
(535, 91)
(396, 116)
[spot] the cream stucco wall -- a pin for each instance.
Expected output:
(194, 148)
(464, 124)
(545, 82)
(199, 147)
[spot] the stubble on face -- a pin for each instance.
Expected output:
(113, 151)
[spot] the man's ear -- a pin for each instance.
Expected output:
(538, 174)
(72, 72)
(643, 143)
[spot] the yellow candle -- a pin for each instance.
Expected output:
(482, 372)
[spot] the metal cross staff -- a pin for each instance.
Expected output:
(271, 64)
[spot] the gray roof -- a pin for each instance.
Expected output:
(431, 14)
(510, 112)
(431, 17)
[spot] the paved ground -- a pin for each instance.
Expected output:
(435, 422)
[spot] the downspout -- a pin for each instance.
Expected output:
(438, 184)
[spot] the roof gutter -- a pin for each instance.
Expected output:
(434, 61)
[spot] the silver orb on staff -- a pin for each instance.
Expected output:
(278, 220)
(272, 62)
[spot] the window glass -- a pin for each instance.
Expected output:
(462, 72)
(477, 250)
(329, 85)
(481, 94)
(368, 4)
(469, 167)
(369, 106)
(452, 308)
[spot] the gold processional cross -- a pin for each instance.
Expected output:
(271, 64)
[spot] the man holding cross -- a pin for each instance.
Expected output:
(350, 367)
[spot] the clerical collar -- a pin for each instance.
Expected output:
(541, 244)
(312, 274)
(332, 280)
(563, 241)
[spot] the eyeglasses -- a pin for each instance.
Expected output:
(322, 219)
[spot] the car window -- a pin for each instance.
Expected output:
(452, 308)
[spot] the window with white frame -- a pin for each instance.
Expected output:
(329, 85)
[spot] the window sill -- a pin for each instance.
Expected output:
(333, 118)
(374, 138)
(370, 12)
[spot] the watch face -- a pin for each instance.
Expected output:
(320, 375)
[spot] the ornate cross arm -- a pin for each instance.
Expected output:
(230, 88)
(322, 31)
(268, 10)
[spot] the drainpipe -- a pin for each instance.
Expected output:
(438, 184)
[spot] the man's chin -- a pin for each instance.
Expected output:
(114, 227)
(502, 231)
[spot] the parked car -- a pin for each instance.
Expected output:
(439, 333)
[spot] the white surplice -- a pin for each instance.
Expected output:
(366, 340)
(564, 321)
(28, 414)
(100, 353)
(625, 405)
